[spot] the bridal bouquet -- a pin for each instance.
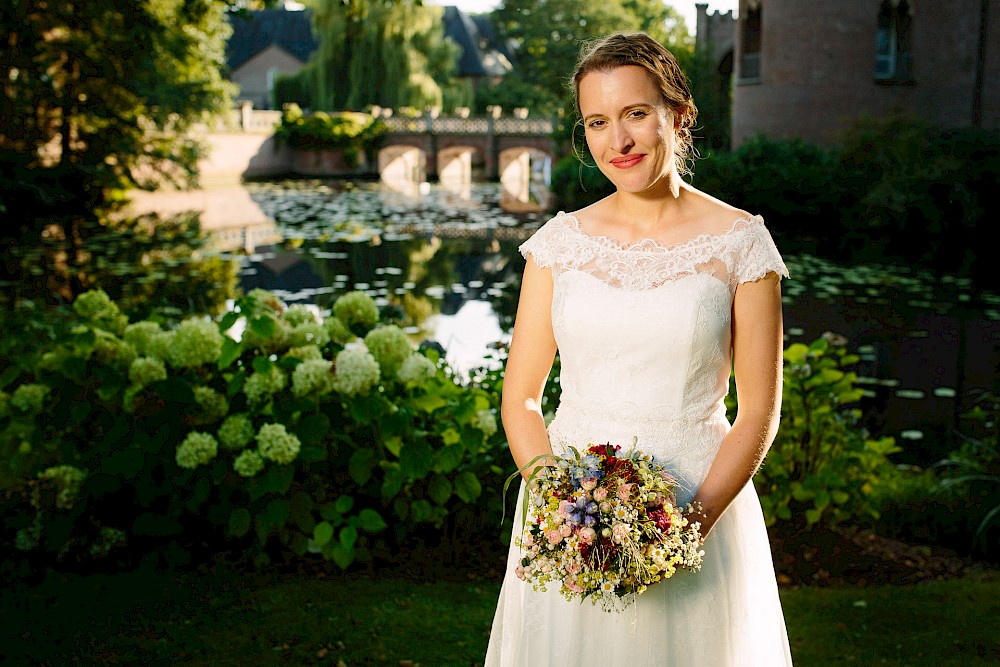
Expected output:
(604, 525)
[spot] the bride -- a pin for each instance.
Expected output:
(651, 297)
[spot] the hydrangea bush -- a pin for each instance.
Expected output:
(271, 425)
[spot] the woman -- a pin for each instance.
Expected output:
(651, 295)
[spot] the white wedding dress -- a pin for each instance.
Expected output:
(644, 334)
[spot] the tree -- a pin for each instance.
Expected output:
(99, 97)
(390, 53)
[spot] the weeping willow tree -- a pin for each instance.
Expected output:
(392, 53)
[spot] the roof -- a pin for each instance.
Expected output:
(482, 55)
(254, 31)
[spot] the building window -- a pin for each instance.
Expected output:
(750, 58)
(892, 42)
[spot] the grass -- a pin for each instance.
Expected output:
(223, 618)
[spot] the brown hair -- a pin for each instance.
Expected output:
(638, 48)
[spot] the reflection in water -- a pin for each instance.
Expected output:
(525, 176)
(455, 170)
(404, 169)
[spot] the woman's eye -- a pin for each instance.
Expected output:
(637, 113)
(596, 124)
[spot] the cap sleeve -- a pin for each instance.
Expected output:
(759, 255)
(544, 244)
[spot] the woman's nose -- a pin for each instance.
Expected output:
(622, 140)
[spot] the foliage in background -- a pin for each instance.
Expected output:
(353, 132)
(822, 466)
(391, 54)
(309, 435)
(150, 266)
(971, 474)
(100, 97)
(547, 38)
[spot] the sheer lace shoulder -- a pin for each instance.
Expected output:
(744, 252)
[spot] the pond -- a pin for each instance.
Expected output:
(448, 259)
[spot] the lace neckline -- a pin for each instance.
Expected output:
(571, 222)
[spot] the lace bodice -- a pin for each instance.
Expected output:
(644, 334)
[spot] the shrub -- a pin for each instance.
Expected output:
(306, 449)
(822, 466)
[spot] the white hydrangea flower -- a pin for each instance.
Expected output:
(160, 345)
(113, 351)
(356, 308)
(298, 314)
(97, 307)
(236, 432)
(248, 463)
(357, 372)
(29, 398)
(305, 352)
(308, 333)
(276, 444)
(197, 449)
(196, 342)
(259, 387)
(390, 346)
(213, 404)
(415, 370)
(486, 422)
(313, 377)
(68, 479)
(146, 370)
(141, 335)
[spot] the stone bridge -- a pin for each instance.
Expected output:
(450, 146)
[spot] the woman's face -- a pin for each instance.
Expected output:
(629, 128)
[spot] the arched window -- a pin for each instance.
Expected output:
(750, 58)
(892, 42)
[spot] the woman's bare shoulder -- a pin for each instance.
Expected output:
(714, 214)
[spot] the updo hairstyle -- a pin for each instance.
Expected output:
(638, 48)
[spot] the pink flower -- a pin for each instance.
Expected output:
(553, 537)
(588, 484)
(624, 491)
(600, 494)
(619, 531)
(588, 535)
(519, 573)
(528, 541)
(564, 506)
(574, 585)
(565, 530)
(573, 568)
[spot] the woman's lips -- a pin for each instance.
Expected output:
(627, 161)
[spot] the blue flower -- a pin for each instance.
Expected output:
(582, 512)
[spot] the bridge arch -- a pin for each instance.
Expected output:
(401, 166)
(525, 178)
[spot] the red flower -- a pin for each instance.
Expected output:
(661, 519)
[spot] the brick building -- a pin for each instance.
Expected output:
(808, 69)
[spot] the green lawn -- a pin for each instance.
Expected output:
(227, 619)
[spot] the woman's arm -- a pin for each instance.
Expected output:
(758, 347)
(532, 350)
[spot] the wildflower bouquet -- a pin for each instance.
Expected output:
(604, 525)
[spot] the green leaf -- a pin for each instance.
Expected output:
(467, 487)
(239, 522)
(228, 320)
(393, 445)
(451, 437)
(341, 555)
(264, 326)
(421, 511)
(371, 521)
(429, 402)
(360, 465)
(348, 536)
(439, 489)
(448, 458)
(272, 518)
(322, 533)
(813, 516)
(125, 464)
(344, 504)
(392, 482)
(416, 458)
(262, 364)
(231, 351)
